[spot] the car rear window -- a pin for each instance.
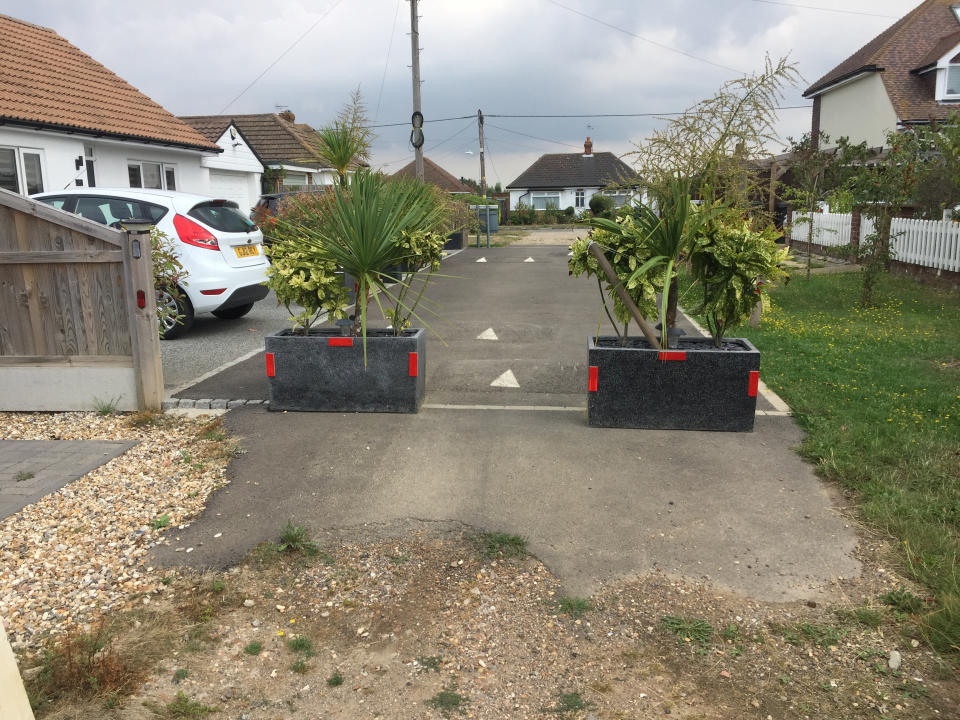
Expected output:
(222, 215)
(112, 210)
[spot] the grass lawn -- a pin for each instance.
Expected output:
(878, 392)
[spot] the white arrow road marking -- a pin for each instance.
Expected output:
(487, 334)
(529, 259)
(508, 379)
(483, 259)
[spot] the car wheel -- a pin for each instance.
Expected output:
(233, 313)
(178, 304)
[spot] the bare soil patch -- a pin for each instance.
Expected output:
(426, 626)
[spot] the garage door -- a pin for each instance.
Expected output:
(232, 186)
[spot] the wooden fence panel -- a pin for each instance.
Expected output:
(69, 324)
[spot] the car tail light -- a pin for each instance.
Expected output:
(193, 234)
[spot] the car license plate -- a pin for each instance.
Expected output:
(246, 250)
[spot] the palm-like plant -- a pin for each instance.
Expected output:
(364, 228)
(665, 240)
(342, 145)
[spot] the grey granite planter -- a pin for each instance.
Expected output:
(695, 387)
(324, 372)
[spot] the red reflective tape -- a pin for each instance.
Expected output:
(592, 379)
(414, 369)
(271, 368)
(340, 342)
(754, 383)
(675, 355)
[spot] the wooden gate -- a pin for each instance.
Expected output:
(78, 324)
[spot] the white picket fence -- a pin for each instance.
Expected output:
(930, 243)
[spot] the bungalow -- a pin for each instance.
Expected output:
(66, 120)
(433, 174)
(563, 180)
(909, 74)
(290, 151)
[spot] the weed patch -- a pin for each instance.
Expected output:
(574, 606)
(431, 662)
(335, 680)
(448, 701)
(569, 702)
(296, 539)
(694, 630)
(495, 545)
(23, 476)
(253, 648)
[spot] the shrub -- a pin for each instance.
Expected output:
(601, 205)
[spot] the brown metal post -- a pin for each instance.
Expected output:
(622, 293)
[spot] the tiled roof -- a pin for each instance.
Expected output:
(47, 82)
(896, 51)
(276, 140)
(942, 47)
(434, 175)
(563, 170)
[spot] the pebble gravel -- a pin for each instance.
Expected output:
(81, 551)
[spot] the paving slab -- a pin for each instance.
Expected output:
(741, 510)
(31, 469)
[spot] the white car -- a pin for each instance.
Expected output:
(219, 247)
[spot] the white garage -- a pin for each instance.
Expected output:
(235, 173)
(233, 186)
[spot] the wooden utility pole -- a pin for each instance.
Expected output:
(415, 65)
(483, 179)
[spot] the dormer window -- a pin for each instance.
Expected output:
(947, 68)
(952, 89)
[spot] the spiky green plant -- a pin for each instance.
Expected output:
(378, 231)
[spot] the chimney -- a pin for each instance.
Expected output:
(587, 148)
(288, 116)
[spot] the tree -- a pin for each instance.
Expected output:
(938, 187)
(347, 142)
(816, 174)
(882, 186)
(716, 142)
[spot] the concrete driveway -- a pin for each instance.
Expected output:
(512, 452)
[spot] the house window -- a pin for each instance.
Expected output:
(953, 82)
(157, 176)
(578, 198)
(619, 198)
(545, 200)
(21, 170)
(295, 178)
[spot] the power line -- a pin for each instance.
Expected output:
(627, 115)
(535, 137)
(645, 39)
(446, 140)
(386, 62)
(407, 122)
(281, 56)
(825, 9)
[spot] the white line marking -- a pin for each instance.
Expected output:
(541, 408)
(190, 383)
(529, 259)
(508, 379)
(487, 334)
(483, 259)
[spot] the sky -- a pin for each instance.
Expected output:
(505, 57)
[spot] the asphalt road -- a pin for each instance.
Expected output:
(739, 509)
(212, 342)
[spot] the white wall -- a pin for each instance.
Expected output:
(60, 152)
(860, 109)
(568, 198)
(240, 161)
